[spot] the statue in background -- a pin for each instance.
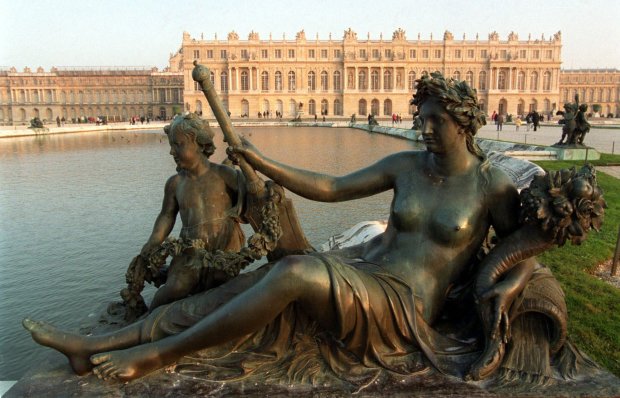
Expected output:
(575, 126)
(401, 305)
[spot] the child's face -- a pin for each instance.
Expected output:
(184, 150)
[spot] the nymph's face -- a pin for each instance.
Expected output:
(184, 150)
(440, 131)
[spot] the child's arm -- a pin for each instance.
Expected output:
(166, 218)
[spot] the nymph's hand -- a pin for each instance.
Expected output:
(148, 249)
(251, 154)
(502, 294)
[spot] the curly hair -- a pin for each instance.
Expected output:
(192, 125)
(459, 100)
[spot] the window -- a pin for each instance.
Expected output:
(196, 54)
(311, 107)
(291, 81)
(387, 80)
(363, 84)
(361, 109)
(534, 81)
(457, 54)
(375, 53)
(278, 53)
(424, 53)
(483, 54)
(324, 53)
(413, 54)
(337, 83)
(547, 81)
(244, 54)
(522, 53)
(521, 81)
(470, 53)
(264, 80)
(503, 54)
(501, 80)
(210, 54)
(311, 81)
(278, 81)
(437, 53)
(411, 80)
(388, 53)
(387, 107)
(362, 53)
(337, 53)
(324, 81)
(536, 54)
(469, 78)
(482, 81)
(374, 107)
(245, 82)
(324, 107)
(223, 54)
(337, 107)
(374, 80)
(548, 54)
(456, 75)
(291, 53)
(264, 54)
(310, 53)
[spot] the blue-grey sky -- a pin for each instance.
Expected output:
(143, 33)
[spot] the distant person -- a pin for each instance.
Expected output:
(535, 120)
(499, 121)
(205, 195)
(58, 121)
(518, 123)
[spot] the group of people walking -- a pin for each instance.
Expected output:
(532, 120)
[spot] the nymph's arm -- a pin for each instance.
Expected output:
(371, 180)
(166, 218)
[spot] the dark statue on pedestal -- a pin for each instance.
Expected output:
(575, 126)
(431, 296)
(36, 123)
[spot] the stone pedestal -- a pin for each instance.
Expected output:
(565, 152)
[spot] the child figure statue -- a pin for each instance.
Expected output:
(208, 198)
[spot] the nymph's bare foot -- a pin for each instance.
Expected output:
(489, 361)
(73, 346)
(128, 364)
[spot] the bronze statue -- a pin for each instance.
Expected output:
(401, 303)
(208, 197)
(574, 123)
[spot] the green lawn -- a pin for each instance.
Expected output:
(593, 305)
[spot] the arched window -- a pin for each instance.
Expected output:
(374, 107)
(324, 81)
(501, 80)
(411, 80)
(311, 107)
(245, 108)
(387, 80)
(482, 81)
(324, 107)
(311, 81)
(48, 114)
(387, 107)
(521, 81)
(198, 107)
(547, 105)
(337, 108)
(374, 80)
(264, 81)
(212, 76)
(469, 78)
(245, 81)
(278, 83)
(265, 105)
(456, 75)
(292, 107)
(363, 83)
(337, 81)
(534, 81)
(361, 108)
(279, 106)
(292, 85)
(521, 107)
(224, 82)
(547, 81)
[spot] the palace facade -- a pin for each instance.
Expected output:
(359, 76)
(302, 76)
(76, 93)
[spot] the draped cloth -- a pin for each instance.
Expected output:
(380, 332)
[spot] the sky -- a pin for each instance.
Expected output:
(81, 33)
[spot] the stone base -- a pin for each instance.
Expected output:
(580, 152)
(54, 378)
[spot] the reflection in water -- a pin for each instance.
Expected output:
(75, 208)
